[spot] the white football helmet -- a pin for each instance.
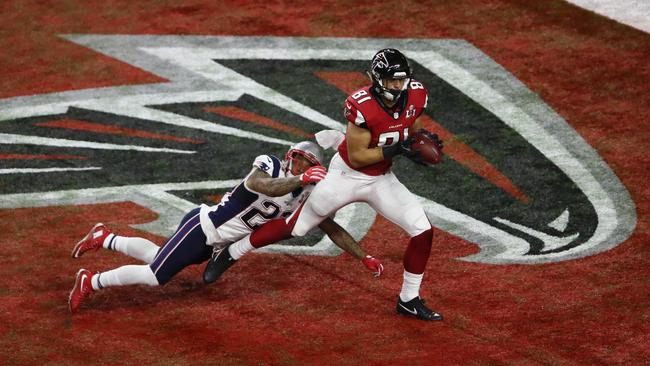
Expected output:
(307, 149)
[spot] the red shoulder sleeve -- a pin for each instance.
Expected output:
(419, 95)
(352, 112)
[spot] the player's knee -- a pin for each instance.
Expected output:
(419, 226)
(304, 220)
(150, 255)
(413, 220)
(151, 278)
(155, 282)
(158, 281)
(324, 201)
(299, 230)
(425, 236)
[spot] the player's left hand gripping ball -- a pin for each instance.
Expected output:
(428, 146)
(374, 265)
(313, 175)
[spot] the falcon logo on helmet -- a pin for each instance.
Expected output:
(389, 63)
(307, 149)
(379, 61)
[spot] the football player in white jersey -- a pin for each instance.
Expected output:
(271, 190)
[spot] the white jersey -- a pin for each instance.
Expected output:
(242, 210)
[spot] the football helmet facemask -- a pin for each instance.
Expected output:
(389, 63)
(307, 149)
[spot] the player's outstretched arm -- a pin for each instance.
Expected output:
(261, 182)
(345, 241)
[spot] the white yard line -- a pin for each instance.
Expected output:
(45, 170)
(635, 13)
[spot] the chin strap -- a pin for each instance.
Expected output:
(388, 95)
(286, 168)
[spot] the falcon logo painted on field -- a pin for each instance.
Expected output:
(517, 180)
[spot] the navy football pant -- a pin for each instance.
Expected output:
(185, 247)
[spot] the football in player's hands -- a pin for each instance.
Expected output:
(313, 175)
(428, 146)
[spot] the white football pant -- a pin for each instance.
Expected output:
(344, 185)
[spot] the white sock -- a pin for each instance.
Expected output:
(138, 248)
(125, 275)
(410, 286)
(107, 241)
(238, 249)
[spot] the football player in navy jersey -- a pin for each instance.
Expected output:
(381, 118)
(272, 189)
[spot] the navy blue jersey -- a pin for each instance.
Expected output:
(242, 209)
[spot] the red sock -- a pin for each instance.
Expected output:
(417, 252)
(271, 232)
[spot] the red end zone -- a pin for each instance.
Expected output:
(274, 308)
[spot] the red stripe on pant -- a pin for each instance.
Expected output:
(418, 251)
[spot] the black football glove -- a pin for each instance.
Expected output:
(403, 148)
(434, 137)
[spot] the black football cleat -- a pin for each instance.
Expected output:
(217, 265)
(417, 309)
